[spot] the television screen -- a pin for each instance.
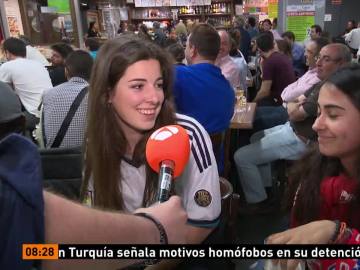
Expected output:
(63, 6)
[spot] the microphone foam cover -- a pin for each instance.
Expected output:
(168, 143)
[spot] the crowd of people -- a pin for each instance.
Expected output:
(109, 99)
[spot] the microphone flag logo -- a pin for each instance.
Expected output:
(164, 133)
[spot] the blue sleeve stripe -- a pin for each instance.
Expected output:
(196, 134)
(197, 160)
(204, 223)
(202, 138)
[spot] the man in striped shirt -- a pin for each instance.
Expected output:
(58, 100)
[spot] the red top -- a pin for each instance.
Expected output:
(337, 193)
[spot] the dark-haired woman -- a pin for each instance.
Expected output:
(325, 184)
(57, 70)
(93, 31)
(129, 98)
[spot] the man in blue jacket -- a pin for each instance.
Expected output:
(200, 90)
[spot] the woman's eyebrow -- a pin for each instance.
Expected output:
(137, 79)
(333, 106)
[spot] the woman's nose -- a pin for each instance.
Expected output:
(152, 94)
(319, 123)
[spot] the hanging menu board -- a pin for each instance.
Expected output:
(256, 7)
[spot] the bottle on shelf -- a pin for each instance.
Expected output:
(197, 10)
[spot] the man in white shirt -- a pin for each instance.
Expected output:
(352, 39)
(33, 53)
(228, 67)
(28, 78)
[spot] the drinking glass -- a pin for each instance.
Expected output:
(240, 105)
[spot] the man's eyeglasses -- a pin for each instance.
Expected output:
(326, 58)
(310, 52)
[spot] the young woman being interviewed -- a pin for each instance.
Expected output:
(129, 98)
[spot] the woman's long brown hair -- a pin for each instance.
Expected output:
(105, 141)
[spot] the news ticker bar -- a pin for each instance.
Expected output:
(68, 251)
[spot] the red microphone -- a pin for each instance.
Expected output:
(167, 152)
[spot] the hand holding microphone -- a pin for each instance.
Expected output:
(167, 152)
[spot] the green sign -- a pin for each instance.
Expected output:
(300, 25)
(63, 6)
(252, 10)
(273, 9)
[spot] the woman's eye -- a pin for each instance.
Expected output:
(332, 116)
(160, 85)
(137, 86)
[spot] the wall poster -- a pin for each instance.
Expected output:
(13, 18)
(299, 20)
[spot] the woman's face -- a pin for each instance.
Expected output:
(337, 124)
(138, 97)
(266, 26)
(56, 59)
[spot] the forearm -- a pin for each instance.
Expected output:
(195, 235)
(261, 94)
(293, 91)
(317, 232)
(83, 225)
(68, 222)
(287, 94)
(264, 90)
